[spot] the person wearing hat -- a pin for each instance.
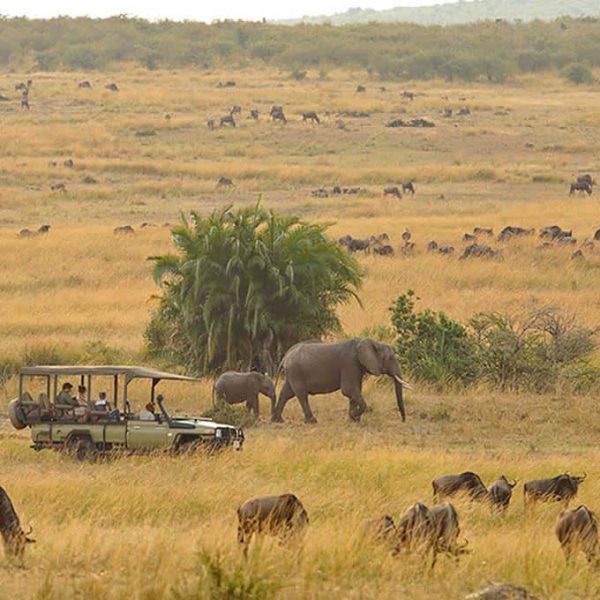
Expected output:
(65, 397)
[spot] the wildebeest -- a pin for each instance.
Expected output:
(280, 516)
(84, 85)
(447, 113)
(577, 530)
(406, 235)
(408, 188)
(13, 536)
(513, 231)
(464, 111)
(392, 191)
(551, 232)
(58, 187)
(226, 84)
(227, 120)
(25, 101)
(500, 493)
(415, 530)
(235, 110)
(113, 87)
(20, 86)
(311, 116)
(320, 193)
(446, 249)
(469, 237)
(432, 246)
(277, 114)
(360, 89)
(224, 182)
(483, 231)
(468, 483)
(384, 250)
(479, 251)
(409, 95)
(581, 186)
(355, 245)
(586, 178)
(124, 230)
(254, 114)
(446, 531)
(561, 488)
(69, 163)
(502, 591)
(210, 124)
(597, 235)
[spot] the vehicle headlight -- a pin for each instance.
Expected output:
(218, 433)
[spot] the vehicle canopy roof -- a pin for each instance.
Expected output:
(130, 372)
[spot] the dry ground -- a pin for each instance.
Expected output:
(137, 527)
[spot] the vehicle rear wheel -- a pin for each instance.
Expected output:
(82, 449)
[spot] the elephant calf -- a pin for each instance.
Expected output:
(280, 516)
(233, 387)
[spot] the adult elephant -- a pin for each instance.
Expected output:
(234, 388)
(320, 368)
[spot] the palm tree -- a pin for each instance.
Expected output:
(244, 287)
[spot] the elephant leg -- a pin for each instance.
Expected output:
(252, 404)
(277, 411)
(302, 396)
(357, 407)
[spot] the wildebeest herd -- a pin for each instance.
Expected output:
(551, 236)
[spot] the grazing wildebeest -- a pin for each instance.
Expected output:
(409, 95)
(168, 117)
(360, 89)
(500, 493)
(432, 246)
(581, 186)
(586, 178)
(124, 230)
(210, 123)
(447, 113)
(280, 516)
(113, 87)
(446, 249)
(254, 114)
(392, 191)
(479, 251)
(13, 536)
(58, 187)
(502, 591)
(311, 116)
(416, 531)
(384, 250)
(84, 85)
(566, 239)
(464, 111)
(224, 182)
(320, 193)
(562, 488)
(551, 232)
(336, 189)
(235, 110)
(227, 120)
(469, 237)
(446, 531)
(512, 231)
(277, 114)
(69, 163)
(406, 235)
(345, 240)
(88, 179)
(43, 229)
(467, 483)
(408, 188)
(483, 231)
(577, 530)
(226, 84)
(20, 86)
(146, 225)
(355, 245)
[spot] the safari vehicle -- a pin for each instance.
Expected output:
(93, 429)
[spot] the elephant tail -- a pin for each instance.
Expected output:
(213, 392)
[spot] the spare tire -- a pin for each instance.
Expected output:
(15, 414)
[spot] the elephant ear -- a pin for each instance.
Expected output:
(368, 357)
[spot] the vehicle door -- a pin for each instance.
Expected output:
(147, 434)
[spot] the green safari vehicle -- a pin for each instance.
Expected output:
(87, 429)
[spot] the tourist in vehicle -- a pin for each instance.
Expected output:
(65, 397)
(149, 412)
(102, 403)
(82, 395)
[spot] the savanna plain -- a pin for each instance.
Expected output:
(165, 527)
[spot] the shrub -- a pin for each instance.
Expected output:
(431, 346)
(578, 74)
(225, 413)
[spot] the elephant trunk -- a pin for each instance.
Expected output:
(400, 398)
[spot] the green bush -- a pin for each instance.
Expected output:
(239, 416)
(431, 346)
(578, 74)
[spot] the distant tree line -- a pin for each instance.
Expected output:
(485, 50)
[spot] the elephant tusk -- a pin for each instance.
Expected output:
(403, 383)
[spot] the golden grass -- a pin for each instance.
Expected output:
(135, 527)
